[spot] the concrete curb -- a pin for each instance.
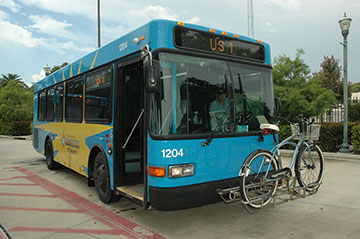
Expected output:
(327, 155)
(22, 137)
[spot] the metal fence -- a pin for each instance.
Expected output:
(335, 113)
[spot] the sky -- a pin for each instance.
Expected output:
(36, 33)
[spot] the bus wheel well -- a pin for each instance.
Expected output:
(94, 151)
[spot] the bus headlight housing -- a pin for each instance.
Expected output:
(183, 170)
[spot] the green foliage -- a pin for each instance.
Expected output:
(299, 92)
(330, 76)
(5, 79)
(55, 68)
(331, 136)
(15, 128)
(355, 87)
(355, 139)
(16, 108)
(354, 112)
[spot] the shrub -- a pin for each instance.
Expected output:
(15, 128)
(331, 135)
(355, 139)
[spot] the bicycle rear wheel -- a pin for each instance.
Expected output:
(309, 167)
(254, 191)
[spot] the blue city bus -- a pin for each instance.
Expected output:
(163, 116)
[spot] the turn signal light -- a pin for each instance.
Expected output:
(157, 171)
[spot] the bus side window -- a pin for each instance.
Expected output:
(50, 104)
(41, 105)
(59, 102)
(98, 97)
(74, 101)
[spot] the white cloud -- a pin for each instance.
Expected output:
(10, 4)
(49, 25)
(3, 15)
(14, 33)
(153, 12)
(293, 5)
(37, 77)
(195, 20)
(269, 27)
(84, 7)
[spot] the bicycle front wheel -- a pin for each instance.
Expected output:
(254, 189)
(309, 167)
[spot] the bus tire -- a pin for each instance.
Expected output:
(102, 180)
(49, 153)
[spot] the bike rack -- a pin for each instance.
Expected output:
(287, 187)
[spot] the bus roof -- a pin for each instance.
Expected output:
(157, 34)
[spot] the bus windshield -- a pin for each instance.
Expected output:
(201, 95)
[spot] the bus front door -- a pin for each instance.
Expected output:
(131, 116)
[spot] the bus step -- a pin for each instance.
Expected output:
(132, 191)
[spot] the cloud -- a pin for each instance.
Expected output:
(3, 15)
(14, 33)
(293, 5)
(49, 25)
(194, 20)
(153, 12)
(83, 7)
(37, 77)
(10, 4)
(269, 27)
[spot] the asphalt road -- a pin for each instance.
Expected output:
(38, 203)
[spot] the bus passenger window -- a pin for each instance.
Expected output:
(50, 105)
(59, 101)
(41, 106)
(98, 97)
(74, 103)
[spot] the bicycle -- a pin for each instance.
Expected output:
(262, 172)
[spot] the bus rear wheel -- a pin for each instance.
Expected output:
(102, 180)
(49, 153)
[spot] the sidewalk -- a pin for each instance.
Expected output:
(328, 155)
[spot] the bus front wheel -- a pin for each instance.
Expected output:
(102, 180)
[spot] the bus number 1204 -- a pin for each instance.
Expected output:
(172, 153)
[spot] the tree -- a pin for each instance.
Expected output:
(5, 79)
(300, 93)
(330, 76)
(16, 102)
(55, 68)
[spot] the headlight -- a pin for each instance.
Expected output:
(183, 170)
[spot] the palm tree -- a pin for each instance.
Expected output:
(5, 79)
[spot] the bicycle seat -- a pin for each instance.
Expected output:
(270, 127)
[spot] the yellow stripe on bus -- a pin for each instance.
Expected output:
(79, 70)
(93, 63)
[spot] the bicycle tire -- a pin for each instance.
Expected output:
(253, 192)
(309, 176)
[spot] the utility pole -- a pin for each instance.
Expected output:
(250, 18)
(98, 3)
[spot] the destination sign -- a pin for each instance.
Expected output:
(220, 44)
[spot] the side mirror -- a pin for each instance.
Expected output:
(151, 75)
(277, 106)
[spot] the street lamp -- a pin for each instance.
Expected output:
(98, 8)
(345, 25)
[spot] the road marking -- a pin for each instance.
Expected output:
(117, 225)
